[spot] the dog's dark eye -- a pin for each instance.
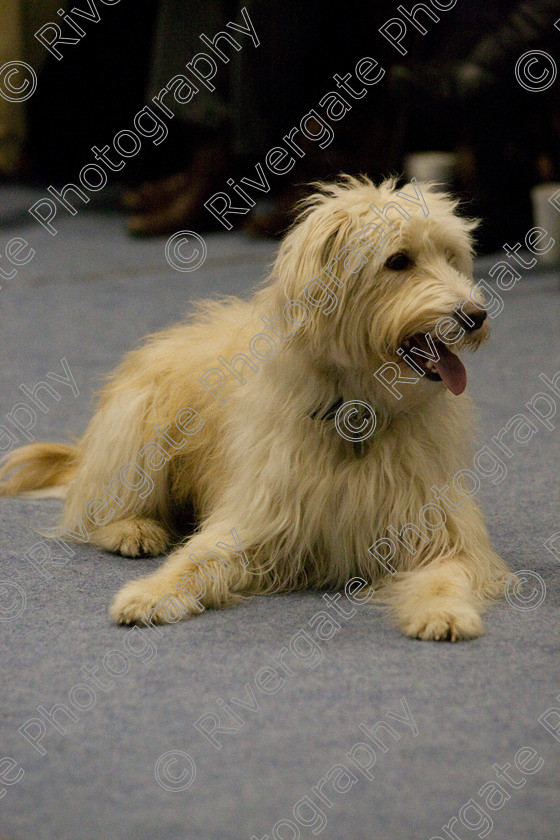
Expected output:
(398, 262)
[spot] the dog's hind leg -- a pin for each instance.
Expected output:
(116, 494)
(135, 536)
(210, 570)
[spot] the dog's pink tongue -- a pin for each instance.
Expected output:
(451, 369)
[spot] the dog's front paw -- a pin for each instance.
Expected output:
(140, 601)
(443, 622)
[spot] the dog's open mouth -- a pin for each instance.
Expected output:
(435, 360)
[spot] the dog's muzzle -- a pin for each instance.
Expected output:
(428, 355)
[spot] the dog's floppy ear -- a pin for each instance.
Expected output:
(318, 257)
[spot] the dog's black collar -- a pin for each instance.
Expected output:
(359, 447)
(330, 413)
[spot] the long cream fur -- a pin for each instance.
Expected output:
(304, 505)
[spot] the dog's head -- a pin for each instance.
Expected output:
(385, 279)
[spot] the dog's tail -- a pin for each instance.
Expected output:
(42, 468)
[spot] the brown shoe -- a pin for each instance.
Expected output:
(176, 202)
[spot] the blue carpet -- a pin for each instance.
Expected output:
(130, 761)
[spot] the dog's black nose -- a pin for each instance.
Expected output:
(473, 318)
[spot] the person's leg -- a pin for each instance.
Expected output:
(274, 87)
(165, 204)
(20, 20)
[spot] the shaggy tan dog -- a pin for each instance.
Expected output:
(240, 413)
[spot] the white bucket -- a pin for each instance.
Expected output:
(547, 215)
(431, 166)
